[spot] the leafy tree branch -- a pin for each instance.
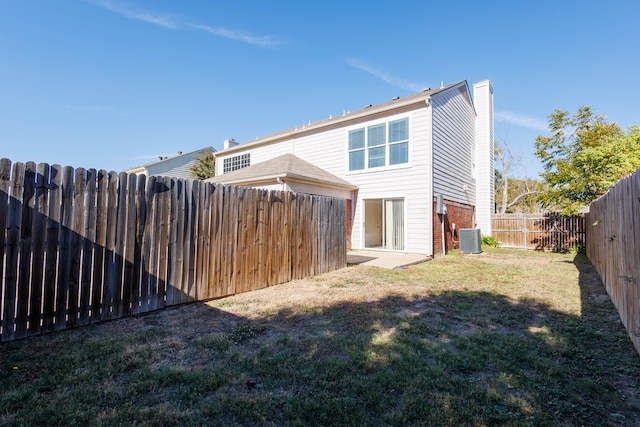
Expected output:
(584, 157)
(205, 166)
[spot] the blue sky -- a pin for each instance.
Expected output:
(111, 84)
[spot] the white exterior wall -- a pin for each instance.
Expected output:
(411, 182)
(483, 99)
(328, 150)
(454, 147)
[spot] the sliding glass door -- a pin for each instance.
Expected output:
(384, 224)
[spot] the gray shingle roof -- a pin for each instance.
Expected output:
(287, 166)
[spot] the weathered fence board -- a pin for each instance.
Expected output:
(165, 209)
(13, 244)
(5, 184)
(80, 246)
(542, 232)
(108, 298)
(99, 246)
(39, 234)
(13, 241)
(129, 279)
(75, 246)
(613, 246)
(25, 248)
(52, 249)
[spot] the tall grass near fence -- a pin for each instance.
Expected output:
(79, 246)
(613, 246)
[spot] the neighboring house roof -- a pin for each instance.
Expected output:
(368, 112)
(178, 166)
(285, 167)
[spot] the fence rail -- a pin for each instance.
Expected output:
(79, 246)
(613, 246)
(542, 232)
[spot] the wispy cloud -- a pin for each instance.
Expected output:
(267, 41)
(521, 120)
(127, 11)
(387, 78)
(176, 23)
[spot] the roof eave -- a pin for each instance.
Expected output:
(264, 179)
(314, 127)
(321, 182)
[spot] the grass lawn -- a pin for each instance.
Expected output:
(500, 338)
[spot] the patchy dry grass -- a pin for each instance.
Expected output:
(501, 338)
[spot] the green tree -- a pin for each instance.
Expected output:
(205, 166)
(584, 157)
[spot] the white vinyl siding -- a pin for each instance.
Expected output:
(413, 184)
(454, 145)
(483, 97)
(444, 154)
(410, 181)
(427, 149)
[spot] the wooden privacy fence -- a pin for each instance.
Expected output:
(541, 232)
(613, 246)
(82, 246)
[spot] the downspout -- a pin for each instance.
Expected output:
(444, 238)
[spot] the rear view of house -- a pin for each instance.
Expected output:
(409, 168)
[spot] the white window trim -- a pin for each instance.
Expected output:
(387, 167)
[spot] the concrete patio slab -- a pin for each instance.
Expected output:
(383, 259)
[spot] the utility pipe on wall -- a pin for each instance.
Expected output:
(444, 238)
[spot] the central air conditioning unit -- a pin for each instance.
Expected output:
(470, 241)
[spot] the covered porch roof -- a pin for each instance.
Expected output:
(285, 168)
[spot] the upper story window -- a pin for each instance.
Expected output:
(231, 164)
(379, 145)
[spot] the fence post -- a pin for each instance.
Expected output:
(525, 231)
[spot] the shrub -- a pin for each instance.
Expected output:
(490, 241)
